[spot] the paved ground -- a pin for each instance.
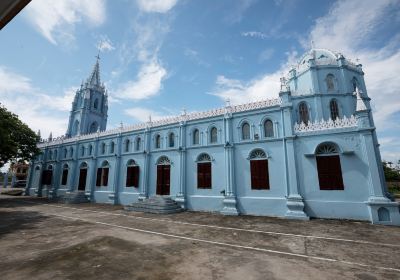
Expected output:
(41, 240)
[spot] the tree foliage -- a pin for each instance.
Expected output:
(391, 174)
(17, 140)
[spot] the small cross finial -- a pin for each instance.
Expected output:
(98, 54)
(227, 102)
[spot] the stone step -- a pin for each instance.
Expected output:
(74, 198)
(156, 205)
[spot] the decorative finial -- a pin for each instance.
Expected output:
(227, 102)
(121, 125)
(183, 113)
(312, 44)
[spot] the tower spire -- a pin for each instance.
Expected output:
(94, 78)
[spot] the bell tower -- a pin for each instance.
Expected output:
(90, 106)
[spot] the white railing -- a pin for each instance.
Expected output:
(325, 125)
(167, 121)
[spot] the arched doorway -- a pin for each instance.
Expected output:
(82, 176)
(163, 176)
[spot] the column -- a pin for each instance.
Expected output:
(144, 192)
(294, 201)
(113, 197)
(181, 196)
(92, 181)
(230, 194)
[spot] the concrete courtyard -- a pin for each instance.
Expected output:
(42, 240)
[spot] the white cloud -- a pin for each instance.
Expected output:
(265, 86)
(254, 34)
(105, 44)
(147, 83)
(266, 54)
(349, 27)
(156, 6)
(56, 20)
(142, 114)
(35, 108)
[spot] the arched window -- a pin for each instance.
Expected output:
(93, 127)
(55, 154)
(171, 140)
(330, 82)
(50, 155)
(303, 113)
(103, 148)
(127, 144)
(204, 171)
(213, 135)
(354, 83)
(112, 148)
(268, 129)
(47, 175)
(158, 141)
(102, 174)
(138, 144)
(76, 128)
(71, 152)
(196, 137)
(82, 151)
(245, 131)
(64, 177)
(132, 174)
(329, 168)
(90, 150)
(65, 153)
(333, 106)
(96, 104)
(259, 172)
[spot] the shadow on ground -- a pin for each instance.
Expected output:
(19, 220)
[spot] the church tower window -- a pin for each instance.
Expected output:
(127, 144)
(334, 108)
(158, 141)
(96, 103)
(330, 82)
(268, 129)
(196, 137)
(171, 140)
(245, 131)
(303, 113)
(213, 135)
(138, 143)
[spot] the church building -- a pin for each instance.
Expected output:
(310, 152)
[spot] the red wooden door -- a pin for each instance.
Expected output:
(82, 179)
(329, 173)
(259, 174)
(163, 179)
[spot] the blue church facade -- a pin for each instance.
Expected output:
(311, 152)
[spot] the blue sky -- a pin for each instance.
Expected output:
(160, 56)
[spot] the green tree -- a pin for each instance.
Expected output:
(390, 173)
(17, 140)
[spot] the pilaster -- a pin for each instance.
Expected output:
(294, 201)
(181, 196)
(230, 207)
